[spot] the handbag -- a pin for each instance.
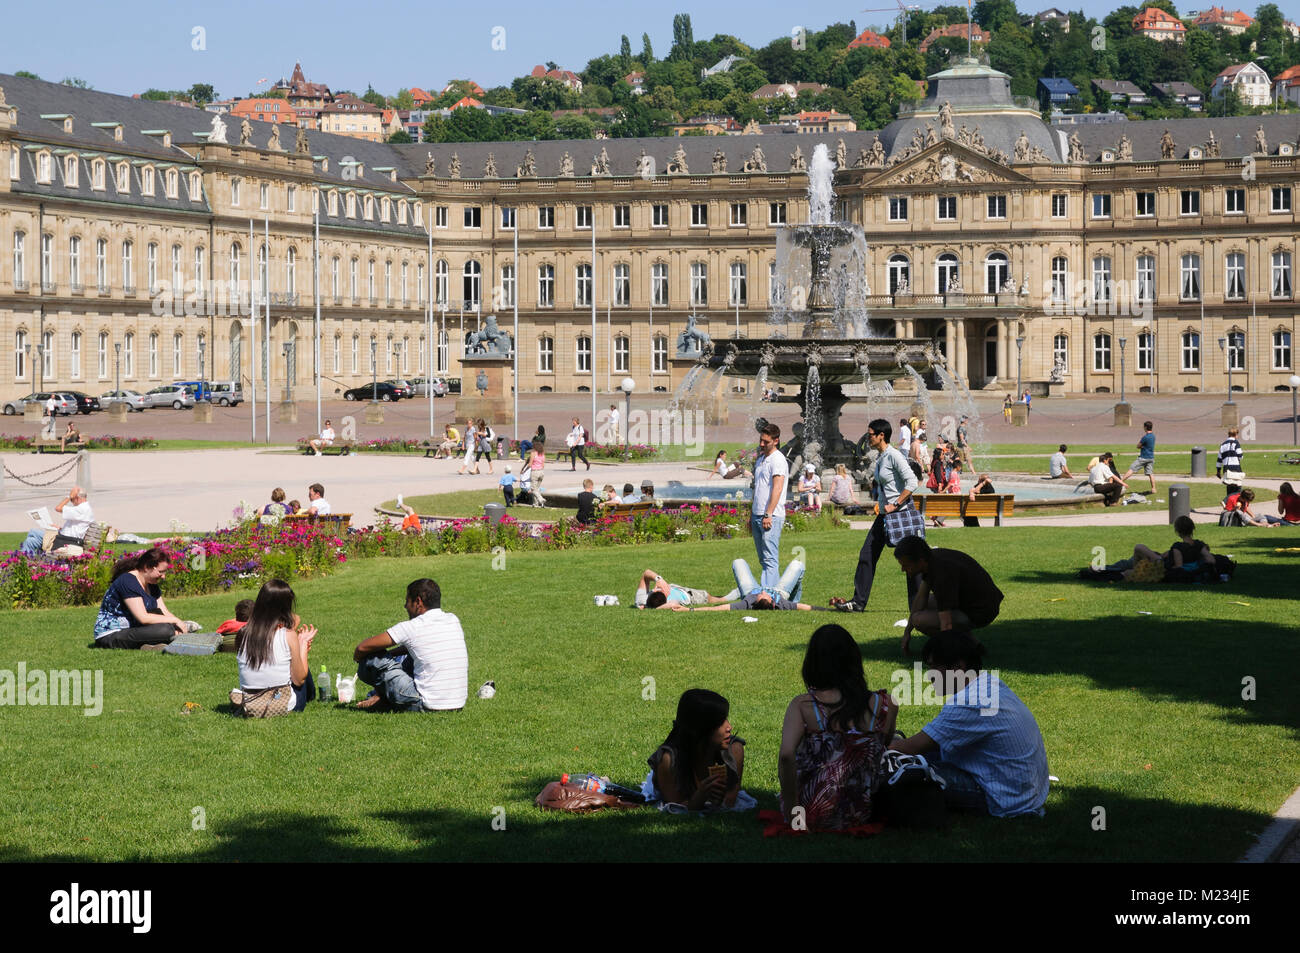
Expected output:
(904, 521)
(913, 794)
(265, 703)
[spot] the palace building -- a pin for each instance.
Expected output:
(138, 240)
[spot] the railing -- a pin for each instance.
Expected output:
(21, 285)
(286, 298)
(77, 287)
(955, 299)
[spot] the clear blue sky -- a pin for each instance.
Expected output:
(130, 45)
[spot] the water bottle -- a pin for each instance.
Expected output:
(585, 782)
(323, 686)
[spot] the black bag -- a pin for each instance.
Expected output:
(912, 795)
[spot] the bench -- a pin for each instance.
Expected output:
(628, 509)
(433, 448)
(943, 505)
(339, 521)
(46, 445)
(96, 533)
(340, 448)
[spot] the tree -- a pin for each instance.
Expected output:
(203, 93)
(625, 53)
(469, 124)
(156, 94)
(993, 15)
(26, 74)
(403, 100)
(633, 122)
(575, 127)
(400, 136)
(747, 77)
(683, 37)
(374, 98)
(647, 51)
(76, 81)
(435, 129)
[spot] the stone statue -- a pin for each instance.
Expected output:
(1167, 147)
(301, 145)
(954, 286)
(3, 103)
(1058, 372)
(1212, 147)
(963, 136)
(566, 166)
(489, 339)
(719, 161)
(601, 165)
(481, 382)
(918, 140)
(945, 120)
(841, 155)
(1008, 286)
(977, 141)
(217, 134)
(1261, 141)
(273, 144)
(645, 165)
(877, 153)
(430, 166)
(1124, 151)
(1022, 147)
(1024, 286)
(528, 168)
(692, 341)
(863, 160)
(797, 162)
(756, 162)
(1076, 148)
(677, 165)
(245, 133)
(490, 166)
(453, 168)
(931, 137)
(902, 288)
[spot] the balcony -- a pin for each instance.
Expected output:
(356, 302)
(338, 301)
(21, 285)
(389, 302)
(957, 300)
(49, 288)
(77, 288)
(284, 299)
(374, 301)
(128, 291)
(103, 289)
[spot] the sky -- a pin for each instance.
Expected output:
(127, 46)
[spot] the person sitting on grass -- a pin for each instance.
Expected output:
(430, 669)
(1237, 511)
(749, 595)
(1187, 554)
(700, 764)
(953, 591)
(78, 517)
(132, 614)
(326, 439)
(1288, 507)
(507, 484)
(273, 648)
(990, 751)
(228, 629)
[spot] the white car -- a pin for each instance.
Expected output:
(170, 395)
(134, 400)
(63, 404)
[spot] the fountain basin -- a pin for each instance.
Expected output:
(838, 362)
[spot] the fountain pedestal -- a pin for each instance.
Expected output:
(711, 403)
(1124, 414)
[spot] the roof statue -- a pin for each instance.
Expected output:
(490, 166)
(756, 162)
(945, 120)
(274, 142)
(454, 166)
(1261, 141)
(566, 166)
(216, 134)
(528, 168)
(1022, 147)
(931, 137)
(1211, 147)
(677, 164)
(1124, 151)
(1167, 147)
(841, 155)
(719, 161)
(601, 165)
(797, 162)
(245, 133)
(430, 165)
(1076, 148)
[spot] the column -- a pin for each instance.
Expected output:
(900, 328)
(963, 358)
(950, 344)
(1002, 349)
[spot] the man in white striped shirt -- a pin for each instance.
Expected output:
(430, 670)
(1228, 466)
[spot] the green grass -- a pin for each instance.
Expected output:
(1141, 714)
(470, 503)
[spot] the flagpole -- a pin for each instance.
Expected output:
(252, 324)
(316, 282)
(266, 338)
(592, 352)
(429, 348)
(515, 296)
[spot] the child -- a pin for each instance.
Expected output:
(700, 763)
(611, 495)
(228, 629)
(411, 524)
(587, 502)
(507, 484)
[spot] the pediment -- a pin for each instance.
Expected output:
(947, 163)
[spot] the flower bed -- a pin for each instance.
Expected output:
(251, 552)
(599, 451)
(105, 442)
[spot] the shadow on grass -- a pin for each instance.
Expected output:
(1136, 829)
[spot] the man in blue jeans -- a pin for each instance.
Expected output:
(1146, 460)
(430, 670)
(771, 474)
(749, 595)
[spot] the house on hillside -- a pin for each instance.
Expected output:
(636, 79)
(1053, 15)
(707, 125)
(789, 90)
(474, 88)
(1156, 24)
(1056, 91)
(1248, 79)
(420, 97)
(349, 116)
(871, 39)
(566, 76)
(823, 121)
(977, 35)
(1286, 85)
(1121, 92)
(301, 93)
(1180, 94)
(265, 110)
(1230, 21)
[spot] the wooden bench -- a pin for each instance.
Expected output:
(629, 509)
(96, 533)
(433, 448)
(340, 448)
(943, 505)
(45, 445)
(339, 520)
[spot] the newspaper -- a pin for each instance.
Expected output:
(42, 518)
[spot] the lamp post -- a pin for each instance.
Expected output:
(40, 359)
(1225, 345)
(117, 367)
(374, 371)
(288, 372)
(204, 393)
(1020, 343)
(1123, 342)
(1295, 383)
(27, 353)
(627, 386)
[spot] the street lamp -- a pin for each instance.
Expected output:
(117, 367)
(1020, 343)
(288, 379)
(203, 387)
(1225, 345)
(627, 386)
(40, 359)
(1295, 383)
(1123, 342)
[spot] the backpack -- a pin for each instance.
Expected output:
(586, 437)
(1232, 518)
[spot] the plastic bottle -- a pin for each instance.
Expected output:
(590, 782)
(324, 688)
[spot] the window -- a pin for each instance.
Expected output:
(1061, 350)
(368, 208)
(507, 286)
(354, 279)
(15, 170)
(1146, 351)
(43, 167)
(263, 271)
(198, 268)
(151, 267)
(441, 283)
(1146, 202)
(997, 271)
(1234, 286)
(401, 220)
(775, 293)
(196, 187)
(440, 216)
(388, 355)
(1234, 202)
(739, 213)
(101, 264)
(699, 283)
(582, 217)
(659, 355)
(582, 285)
(291, 271)
(546, 216)
(659, 284)
(622, 285)
(128, 355)
(1281, 199)
(153, 354)
(900, 274)
(699, 215)
(1190, 287)
(128, 268)
(178, 344)
(47, 355)
(1189, 202)
(776, 213)
(1236, 350)
(405, 294)
(622, 354)
(622, 216)
(338, 354)
(385, 210)
(97, 175)
(419, 282)
(1101, 352)
(178, 275)
(370, 280)
(74, 262)
(124, 182)
(20, 355)
(173, 185)
(659, 216)
(1191, 351)
(356, 353)
(946, 271)
(507, 218)
(584, 355)
(1102, 286)
(1146, 278)
(1281, 350)
(997, 206)
(739, 285)
(443, 348)
(388, 281)
(20, 265)
(1281, 275)
(291, 199)
(1101, 205)
(1060, 279)
(70, 172)
(545, 355)
(146, 180)
(1059, 205)
(471, 284)
(947, 208)
(898, 208)
(47, 262)
(334, 202)
(101, 356)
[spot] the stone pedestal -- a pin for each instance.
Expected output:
(34, 411)
(118, 410)
(1229, 415)
(202, 412)
(287, 412)
(1124, 414)
(374, 413)
(1056, 388)
(1020, 415)
(485, 389)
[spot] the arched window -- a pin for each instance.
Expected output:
(1281, 350)
(101, 356)
(178, 354)
(47, 355)
(1236, 349)
(20, 263)
(1146, 278)
(545, 286)
(622, 354)
(151, 266)
(356, 353)
(472, 284)
(178, 275)
(153, 354)
(1234, 285)
(1146, 342)
(583, 351)
(128, 267)
(947, 271)
(1190, 285)
(659, 283)
(1280, 284)
(1102, 285)
(1060, 279)
(1191, 351)
(74, 356)
(20, 355)
(507, 286)
(996, 272)
(699, 284)
(659, 354)
(74, 262)
(1061, 349)
(739, 290)
(582, 283)
(622, 285)
(128, 355)
(900, 274)
(234, 266)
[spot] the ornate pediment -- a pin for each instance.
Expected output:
(946, 164)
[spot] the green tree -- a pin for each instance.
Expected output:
(993, 15)
(575, 127)
(374, 98)
(633, 122)
(717, 86)
(26, 74)
(625, 53)
(747, 77)
(647, 51)
(203, 93)
(468, 124)
(76, 81)
(403, 100)
(400, 136)
(156, 94)
(683, 37)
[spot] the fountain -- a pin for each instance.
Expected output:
(821, 269)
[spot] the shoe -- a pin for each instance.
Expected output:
(153, 647)
(193, 626)
(846, 605)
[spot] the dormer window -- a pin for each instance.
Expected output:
(97, 175)
(15, 170)
(67, 124)
(70, 171)
(123, 178)
(146, 180)
(196, 187)
(352, 205)
(117, 133)
(43, 167)
(334, 203)
(419, 213)
(384, 210)
(264, 196)
(370, 208)
(401, 213)
(173, 183)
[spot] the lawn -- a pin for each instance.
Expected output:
(1142, 714)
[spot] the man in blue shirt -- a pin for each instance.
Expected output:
(1146, 461)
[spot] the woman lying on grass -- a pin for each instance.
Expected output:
(700, 763)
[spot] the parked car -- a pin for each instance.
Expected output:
(421, 386)
(173, 395)
(133, 399)
(85, 403)
(64, 403)
(227, 394)
(201, 390)
(404, 386)
(382, 391)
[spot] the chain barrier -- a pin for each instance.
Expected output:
(63, 468)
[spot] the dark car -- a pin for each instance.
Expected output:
(85, 403)
(382, 391)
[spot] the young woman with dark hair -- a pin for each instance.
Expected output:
(272, 648)
(1288, 507)
(833, 737)
(133, 614)
(700, 763)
